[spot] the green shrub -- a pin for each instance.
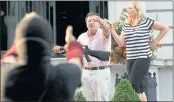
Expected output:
(79, 97)
(125, 92)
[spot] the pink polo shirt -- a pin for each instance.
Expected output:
(98, 42)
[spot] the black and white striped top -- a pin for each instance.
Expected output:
(136, 38)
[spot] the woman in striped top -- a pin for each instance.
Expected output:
(134, 37)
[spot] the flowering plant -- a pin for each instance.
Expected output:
(118, 54)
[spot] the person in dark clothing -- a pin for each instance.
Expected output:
(35, 79)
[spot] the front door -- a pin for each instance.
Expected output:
(70, 13)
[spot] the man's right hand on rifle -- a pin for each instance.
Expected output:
(56, 49)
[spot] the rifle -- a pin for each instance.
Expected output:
(101, 55)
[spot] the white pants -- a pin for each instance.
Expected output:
(96, 84)
(112, 91)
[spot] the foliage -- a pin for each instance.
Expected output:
(119, 24)
(118, 54)
(125, 92)
(79, 96)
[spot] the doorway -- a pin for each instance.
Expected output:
(70, 13)
(3, 27)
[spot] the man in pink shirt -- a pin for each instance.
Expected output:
(96, 73)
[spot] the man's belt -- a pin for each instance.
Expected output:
(97, 68)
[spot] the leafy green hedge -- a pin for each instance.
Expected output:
(123, 92)
(79, 96)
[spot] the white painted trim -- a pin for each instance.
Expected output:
(173, 51)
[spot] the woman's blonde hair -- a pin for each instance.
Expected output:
(140, 12)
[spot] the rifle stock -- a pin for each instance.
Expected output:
(101, 55)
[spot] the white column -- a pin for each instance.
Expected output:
(93, 6)
(54, 22)
(21, 9)
(16, 13)
(10, 22)
(112, 10)
(44, 8)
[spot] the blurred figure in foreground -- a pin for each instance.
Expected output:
(35, 79)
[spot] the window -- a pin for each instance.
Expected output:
(3, 28)
(102, 9)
